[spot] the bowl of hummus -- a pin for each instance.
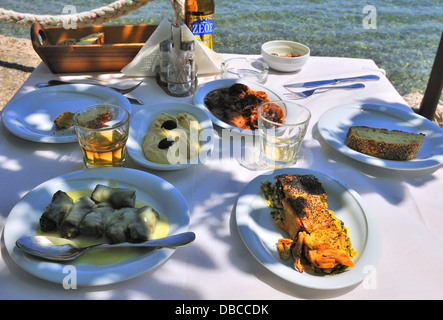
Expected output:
(170, 136)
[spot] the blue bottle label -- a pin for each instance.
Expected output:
(202, 25)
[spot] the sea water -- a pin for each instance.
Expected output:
(401, 36)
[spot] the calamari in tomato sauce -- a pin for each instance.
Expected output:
(236, 105)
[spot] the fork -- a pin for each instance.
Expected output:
(59, 82)
(308, 93)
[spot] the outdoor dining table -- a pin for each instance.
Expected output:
(218, 265)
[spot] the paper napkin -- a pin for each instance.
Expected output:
(145, 62)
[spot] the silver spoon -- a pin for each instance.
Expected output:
(60, 249)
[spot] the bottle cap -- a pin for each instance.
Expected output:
(166, 45)
(187, 46)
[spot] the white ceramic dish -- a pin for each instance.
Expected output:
(142, 120)
(334, 123)
(282, 47)
(24, 218)
(202, 91)
(31, 116)
(260, 234)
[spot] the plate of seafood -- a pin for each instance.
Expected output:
(309, 228)
(232, 103)
(104, 205)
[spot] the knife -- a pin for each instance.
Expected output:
(331, 81)
(44, 85)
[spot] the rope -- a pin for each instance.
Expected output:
(96, 16)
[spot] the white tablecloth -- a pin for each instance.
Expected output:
(218, 265)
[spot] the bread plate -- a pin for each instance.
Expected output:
(31, 116)
(334, 123)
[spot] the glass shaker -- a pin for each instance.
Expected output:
(188, 53)
(165, 47)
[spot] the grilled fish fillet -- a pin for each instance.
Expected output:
(301, 186)
(318, 239)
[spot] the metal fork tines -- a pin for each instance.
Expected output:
(308, 93)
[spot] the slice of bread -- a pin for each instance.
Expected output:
(64, 120)
(95, 38)
(384, 143)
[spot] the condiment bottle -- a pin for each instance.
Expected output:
(199, 17)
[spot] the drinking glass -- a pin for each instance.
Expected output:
(282, 125)
(180, 79)
(102, 131)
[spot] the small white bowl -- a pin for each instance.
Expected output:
(283, 47)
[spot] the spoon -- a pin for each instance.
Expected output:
(60, 249)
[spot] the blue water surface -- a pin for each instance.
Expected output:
(401, 36)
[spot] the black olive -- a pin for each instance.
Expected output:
(169, 125)
(165, 143)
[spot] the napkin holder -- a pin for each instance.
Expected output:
(146, 61)
(176, 71)
(164, 86)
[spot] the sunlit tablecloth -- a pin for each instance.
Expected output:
(218, 265)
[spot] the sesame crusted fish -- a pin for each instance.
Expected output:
(317, 239)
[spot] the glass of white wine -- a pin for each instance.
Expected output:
(282, 126)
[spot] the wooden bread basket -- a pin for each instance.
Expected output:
(121, 45)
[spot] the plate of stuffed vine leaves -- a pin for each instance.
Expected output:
(104, 205)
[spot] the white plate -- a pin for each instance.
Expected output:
(142, 120)
(31, 116)
(24, 218)
(199, 99)
(260, 233)
(334, 123)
